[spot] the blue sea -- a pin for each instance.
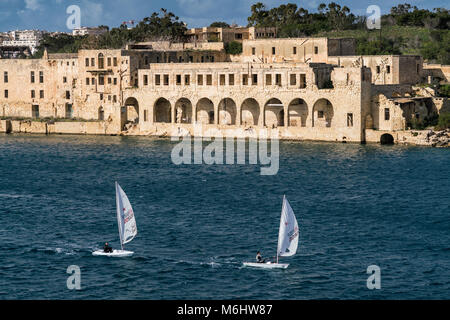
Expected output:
(356, 205)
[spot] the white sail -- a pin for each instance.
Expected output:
(288, 234)
(125, 217)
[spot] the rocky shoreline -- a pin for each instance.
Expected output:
(438, 139)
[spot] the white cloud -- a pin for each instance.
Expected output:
(32, 5)
(91, 14)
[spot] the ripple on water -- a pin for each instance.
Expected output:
(357, 205)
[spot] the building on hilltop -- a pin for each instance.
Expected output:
(83, 31)
(19, 41)
(226, 35)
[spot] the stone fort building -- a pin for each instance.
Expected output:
(297, 88)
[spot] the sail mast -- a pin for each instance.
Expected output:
(119, 219)
(281, 219)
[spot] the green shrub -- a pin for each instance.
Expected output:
(444, 121)
(444, 90)
(233, 47)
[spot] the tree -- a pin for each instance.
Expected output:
(219, 24)
(233, 47)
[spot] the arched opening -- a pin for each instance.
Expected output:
(162, 111)
(130, 112)
(322, 113)
(101, 114)
(183, 111)
(227, 112)
(205, 111)
(387, 139)
(298, 113)
(250, 112)
(101, 61)
(274, 113)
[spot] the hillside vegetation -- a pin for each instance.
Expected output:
(405, 30)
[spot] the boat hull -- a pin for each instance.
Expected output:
(267, 265)
(115, 253)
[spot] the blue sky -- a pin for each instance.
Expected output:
(51, 14)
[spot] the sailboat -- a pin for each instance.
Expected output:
(287, 239)
(126, 223)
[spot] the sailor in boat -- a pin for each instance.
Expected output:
(107, 248)
(259, 258)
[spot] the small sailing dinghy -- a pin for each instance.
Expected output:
(126, 223)
(287, 239)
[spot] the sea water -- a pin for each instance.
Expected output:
(356, 205)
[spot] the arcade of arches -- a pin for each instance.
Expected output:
(228, 113)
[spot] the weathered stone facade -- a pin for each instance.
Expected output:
(312, 88)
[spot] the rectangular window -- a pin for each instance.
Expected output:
(35, 111)
(109, 80)
(92, 62)
(278, 79)
(115, 61)
(231, 79)
(273, 50)
(87, 81)
(320, 114)
(157, 80)
(145, 115)
(33, 94)
(253, 51)
(101, 96)
(32, 76)
(268, 79)
(41, 76)
(200, 79)
(294, 50)
(388, 69)
(145, 80)
(115, 81)
(208, 80)
(178, 79)
(67, 94)
(93, 81)
(387, 115)
(254, 79)
(166, 79)
(6, 94)
(187, 79)
(349, 119)
(69, 111)
(245, 79)
(87, 62)
(293, 79)
(114, 98)
(109, 61)
(222, 79)
(378, 69)
(302, 81)
(41, 94)
(64, 79)
(101, 80)
(316, 50)
(5, 77)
